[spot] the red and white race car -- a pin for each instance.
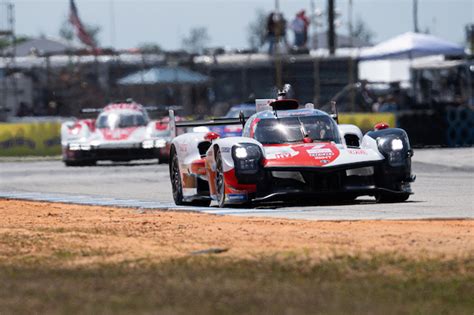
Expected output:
(289, 153)
(121, 132)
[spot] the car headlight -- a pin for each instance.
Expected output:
(85, 147)
(160, 143)
(148, 144)
(394, 148)
(247, 157)
(397, 144)
(74, 146)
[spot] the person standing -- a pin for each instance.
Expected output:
(276, 30)
(300, 25)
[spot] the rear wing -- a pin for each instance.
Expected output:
(173, 124)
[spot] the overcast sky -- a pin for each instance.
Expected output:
(166, 22)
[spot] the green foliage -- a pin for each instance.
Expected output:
(197, 40)
(362, 31)
(256, 30)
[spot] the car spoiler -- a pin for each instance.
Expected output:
(173, 124)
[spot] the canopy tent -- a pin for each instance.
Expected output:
(411, 45)
(164, 75)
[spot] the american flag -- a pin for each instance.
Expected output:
(80, 30)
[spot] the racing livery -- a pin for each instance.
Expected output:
(121, 132)
(287, 153)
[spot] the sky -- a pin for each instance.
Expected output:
(166, 22)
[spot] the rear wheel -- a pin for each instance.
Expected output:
(220, 183)
(391, 198)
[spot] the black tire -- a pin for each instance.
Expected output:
(220, 183)
(80, 163)
(162, 160)
(175, 178)
(177, 186)
(391, 198)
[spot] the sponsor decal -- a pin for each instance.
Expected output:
(117, 134)
(225, 149)
(357, 151)
(321, 153)
(237, 197)
(280, 152)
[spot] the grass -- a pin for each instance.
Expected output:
(220, 285)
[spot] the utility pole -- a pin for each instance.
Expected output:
(415, 16)
(350, 24)
(331, 29)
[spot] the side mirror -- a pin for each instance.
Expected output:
(211, 136)
(381, 126)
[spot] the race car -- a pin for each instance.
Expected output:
(289, 153)
(122, 132)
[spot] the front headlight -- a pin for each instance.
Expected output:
(160, 143)
(395, 148)
(247, 157)
(397, 144)
(148, 144)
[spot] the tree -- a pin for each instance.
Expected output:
(66, 31)
(362, 32)
(257, 30)
(197, 40)
(150, 48)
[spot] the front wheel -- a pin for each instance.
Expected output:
(220, 182)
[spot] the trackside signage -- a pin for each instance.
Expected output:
(367, 121)
(23, 139)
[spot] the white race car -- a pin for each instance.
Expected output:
(121, 132)
(289, 153)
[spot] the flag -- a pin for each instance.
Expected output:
(80, 30)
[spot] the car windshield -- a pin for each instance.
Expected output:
(114, 120)
(294, 129)
(234, 112)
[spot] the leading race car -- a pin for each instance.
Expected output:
(288, 153)
(121, 132)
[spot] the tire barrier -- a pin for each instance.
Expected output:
(30, 139)
(424, 127)
(460, 126)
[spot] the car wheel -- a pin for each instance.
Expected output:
(175, 177)
(391, 198)
(220, 183)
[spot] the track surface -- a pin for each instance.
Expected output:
(444, 188)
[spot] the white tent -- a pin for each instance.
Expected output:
(411, 45)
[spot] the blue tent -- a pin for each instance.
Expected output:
(411, 45)
(164, 75)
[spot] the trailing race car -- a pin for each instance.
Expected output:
(288, 153)
(121, 132)
(234, 112)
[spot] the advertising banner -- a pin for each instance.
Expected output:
(24, 139)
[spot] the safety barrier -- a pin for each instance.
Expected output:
(450, 127)
(460, 126)
(35, 138)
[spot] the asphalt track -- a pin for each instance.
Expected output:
(444, 188)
